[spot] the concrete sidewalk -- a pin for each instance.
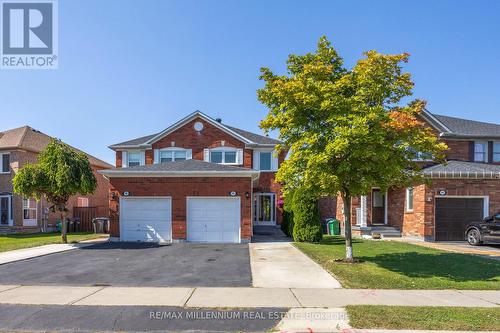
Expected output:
(38, 251)
(281, 265)
(241, 297)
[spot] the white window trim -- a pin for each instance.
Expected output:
(83, 199)
(10, 219)
(274, 160)
(142, 156)
(496, 153)
(157, 153)
(30, 222)
(237, 151)
(407, 199)
(1, 163)
(485, 143)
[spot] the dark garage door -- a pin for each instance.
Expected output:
(454, 214)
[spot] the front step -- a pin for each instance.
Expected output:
(383, 230)
(386, 231)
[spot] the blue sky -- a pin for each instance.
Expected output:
(131, 68)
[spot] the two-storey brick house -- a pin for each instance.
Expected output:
(20, 146)
(198, 180)
(464, 189)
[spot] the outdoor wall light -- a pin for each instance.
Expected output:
(113, 196)
(247, 195)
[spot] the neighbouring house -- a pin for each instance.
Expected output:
(464, 189)
(20, 146)
(198, 180)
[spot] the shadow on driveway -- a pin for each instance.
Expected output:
(137, 264)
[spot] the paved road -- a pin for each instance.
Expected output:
(137, 264)
(136, 319)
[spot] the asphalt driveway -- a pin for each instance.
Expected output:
(137, 264)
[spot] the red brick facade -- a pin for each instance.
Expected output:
(179, 189)
(420, 221)
(187, 137)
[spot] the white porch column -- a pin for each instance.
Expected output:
(364, 211)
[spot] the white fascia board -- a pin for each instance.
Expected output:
(122, 174)
(191, 117)
(125, 147)
(259, 145)
(429, 116)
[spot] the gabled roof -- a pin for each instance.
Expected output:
(462, 128)
(242, 135)
(461, 169)
(30, 139)
(187, 168)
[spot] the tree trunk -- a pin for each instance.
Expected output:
(63, 228)
(346, 197)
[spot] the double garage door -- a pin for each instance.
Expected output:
(208, 219)
(454, 214)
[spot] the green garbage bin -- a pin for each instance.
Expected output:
(333, 227)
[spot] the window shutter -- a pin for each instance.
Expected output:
(256, 162)
(143, 157)
(471, 151)
(274, 161)
(490, 152)
(206, 155)
(124, 159)
(189, 154)
(156, 154)
(239, 156)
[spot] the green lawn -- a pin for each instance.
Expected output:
(423, 318)
(21, 241)
(398, 265)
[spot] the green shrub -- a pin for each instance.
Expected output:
(306, 220)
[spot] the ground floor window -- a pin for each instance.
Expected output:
(29, 212)
(409, 199)
(82, 202)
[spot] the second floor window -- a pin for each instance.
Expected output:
(172, 155)
(480, 151)
(496, 151)
(223, 156)
(134, 159)
(265, 161)
(5, 166)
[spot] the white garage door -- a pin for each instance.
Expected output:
(146, 219)
(213, 220)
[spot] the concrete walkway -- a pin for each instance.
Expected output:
(276, 263)
(38, 251)
(241, 297)
(281, 265)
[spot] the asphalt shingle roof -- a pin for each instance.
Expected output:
(461, 169)
(190, 165)
(257, 138)
(30, 139)
(134, 142)
(253, 137)
(466, 127)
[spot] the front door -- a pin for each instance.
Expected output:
(378, 206)
(5, 213)
(265, 209)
